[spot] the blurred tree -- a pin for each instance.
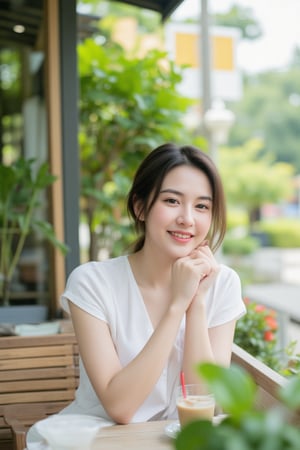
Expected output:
(148, 21)
(127, 107)
(257, 178)
(10, 81)
(270, 110)
(242, 18)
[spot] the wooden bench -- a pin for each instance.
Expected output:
(38, 377)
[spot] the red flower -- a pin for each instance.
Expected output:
(269, 336)
(271, 322)
(259, 308)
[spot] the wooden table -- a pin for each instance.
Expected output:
(135, 436)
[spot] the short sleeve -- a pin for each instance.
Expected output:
(88, 289)
(224, 300)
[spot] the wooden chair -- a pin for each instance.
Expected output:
(38, 377)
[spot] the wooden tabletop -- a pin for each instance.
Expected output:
(135, 436)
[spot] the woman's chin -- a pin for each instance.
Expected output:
(181, 253)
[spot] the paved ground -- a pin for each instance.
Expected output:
(284, 297)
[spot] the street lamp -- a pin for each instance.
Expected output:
(218, 120)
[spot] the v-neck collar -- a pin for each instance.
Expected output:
(141, 302)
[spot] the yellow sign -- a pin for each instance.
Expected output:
(188, 51)
(183, 43)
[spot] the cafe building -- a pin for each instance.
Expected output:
(39, 119)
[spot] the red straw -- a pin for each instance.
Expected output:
(182, 384)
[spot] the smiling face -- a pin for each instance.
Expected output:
(180, 217)
(152, 177)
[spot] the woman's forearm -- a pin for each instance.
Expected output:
(122, 390)
(129, 388)
(197, 347)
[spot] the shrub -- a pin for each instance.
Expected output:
(239, 245)
(257, 333)
(236, 219)
(283, 233)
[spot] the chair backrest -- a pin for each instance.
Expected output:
(37, 370)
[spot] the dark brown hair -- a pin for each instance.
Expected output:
(149, 178)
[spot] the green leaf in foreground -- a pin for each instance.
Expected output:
(234, 389)
(202, 435)
(290, 393)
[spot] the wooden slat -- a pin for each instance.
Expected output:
(37, 397)
(38, 374)
(27, 363)
(36, 341)
(36, 352)
(22, 412)
(38, 385)
(35, 372)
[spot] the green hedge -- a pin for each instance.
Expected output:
(283, 233)
(236, 218)
(239, 245)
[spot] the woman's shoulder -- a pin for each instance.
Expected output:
(227, 273)
(97, 268)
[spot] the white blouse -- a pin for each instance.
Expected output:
(108, 291)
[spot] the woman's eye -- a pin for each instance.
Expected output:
(172, 201)
(202, 206)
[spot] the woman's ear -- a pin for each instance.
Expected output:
(139, 209)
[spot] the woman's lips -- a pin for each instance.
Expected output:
(179, 235)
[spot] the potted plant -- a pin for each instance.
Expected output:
(246, 427)
(22, 184)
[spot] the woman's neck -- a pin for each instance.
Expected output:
(150, 269)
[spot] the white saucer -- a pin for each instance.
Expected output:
(172, 429)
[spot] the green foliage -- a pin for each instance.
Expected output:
(269, 109)
(239, 245)
(241, 18)
(230, 398)
(291, 394)
(20, 188)
(148, 20)
(292, 364)
(255, 180)
(245, 428)
(236, 218)
(127, 107)
(256, 332)
(282, 233)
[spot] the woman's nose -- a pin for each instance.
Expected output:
(185, 217)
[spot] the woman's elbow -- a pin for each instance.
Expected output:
(121, 417)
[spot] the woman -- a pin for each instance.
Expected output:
(142, 318)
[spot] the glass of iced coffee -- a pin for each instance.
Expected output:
(195, 404)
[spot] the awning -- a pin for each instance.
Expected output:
(28, 14)
(164, 7)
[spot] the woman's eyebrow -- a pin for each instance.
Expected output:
(174, 191)
(170, 191)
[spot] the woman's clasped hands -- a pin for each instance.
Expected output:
(192, 275)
